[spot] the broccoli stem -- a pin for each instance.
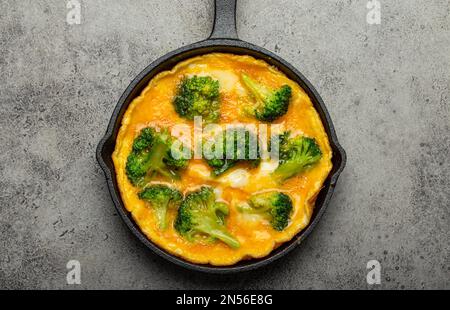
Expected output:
(161, 215)
(156, 159)
(224, 237)
(259, 92)
(259, 210)
(288, 170)
(211, 228)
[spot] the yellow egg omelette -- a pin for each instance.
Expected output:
(255, 234)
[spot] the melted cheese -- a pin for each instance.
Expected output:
(257, 238)
(237, 178)
(268, 166)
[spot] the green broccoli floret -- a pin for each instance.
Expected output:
(151, 155)
(275, 206)
(198, 96)
(295, 156)
(241, 151)
(161, 197)
(201, 215)
(270, 104)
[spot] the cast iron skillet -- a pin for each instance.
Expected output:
(223, 39)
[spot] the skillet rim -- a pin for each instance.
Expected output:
(110, 137)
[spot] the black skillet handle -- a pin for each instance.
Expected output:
(224, 20)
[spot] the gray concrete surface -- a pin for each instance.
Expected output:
(386, 87)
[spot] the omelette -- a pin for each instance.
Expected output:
(255, 234)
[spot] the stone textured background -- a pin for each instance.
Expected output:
(386, 88)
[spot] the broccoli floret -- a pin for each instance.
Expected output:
(275, 206)
(295, 156)
(198, 96)
(151, 155)
(270, 104)
(161, 197)
(201, 215)
(241, 151)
